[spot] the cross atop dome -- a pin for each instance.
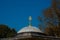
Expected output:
(30, 21)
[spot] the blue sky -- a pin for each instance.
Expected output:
(15, 13)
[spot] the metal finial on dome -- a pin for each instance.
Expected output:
(30, 20)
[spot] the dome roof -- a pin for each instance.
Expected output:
(29, 29)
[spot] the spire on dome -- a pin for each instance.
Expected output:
(30, 21)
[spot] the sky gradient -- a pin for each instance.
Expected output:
(15, 13)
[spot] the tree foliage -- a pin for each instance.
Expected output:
(52, 19)
(5, 31)
(53, 14)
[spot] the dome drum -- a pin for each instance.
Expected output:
(29, 35)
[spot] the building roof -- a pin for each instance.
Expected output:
(29, 29)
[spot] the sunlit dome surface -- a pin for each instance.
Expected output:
(30, 29)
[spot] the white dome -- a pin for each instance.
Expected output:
(29, 29)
